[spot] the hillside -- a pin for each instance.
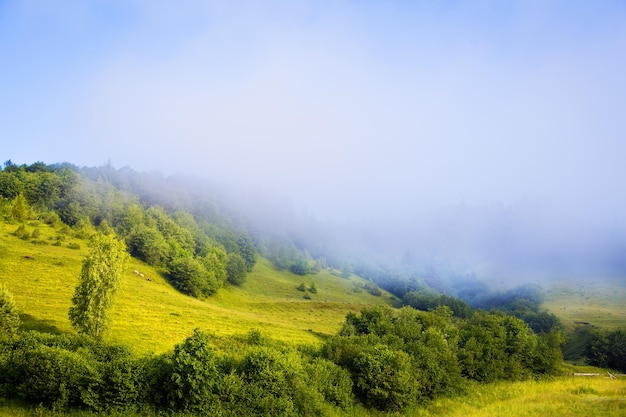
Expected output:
(598, 302)
(152, 316)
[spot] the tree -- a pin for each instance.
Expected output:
(99, 280)
(247, 251)
(148, 244)
(190, 277)
(236, 269)
(19, 208)
(9, 316)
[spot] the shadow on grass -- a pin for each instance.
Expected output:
(321, 336)
(44, 326)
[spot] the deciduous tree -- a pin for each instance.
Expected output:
(99, 280)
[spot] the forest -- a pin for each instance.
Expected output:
(389, 359)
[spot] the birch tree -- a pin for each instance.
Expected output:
(99, 281)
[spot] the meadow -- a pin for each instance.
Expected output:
(557, 397)
(598, 302)
(150, 316)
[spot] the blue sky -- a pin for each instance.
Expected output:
(374, 108)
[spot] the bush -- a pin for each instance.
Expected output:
(194, 379)
(384, 379)
(56, 378)
(300, 267)
(190, 277)
(332, 381)
(273, 382)
(122, 385)
(9, 316)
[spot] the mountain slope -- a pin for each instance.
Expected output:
(149, 315)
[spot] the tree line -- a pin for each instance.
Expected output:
(199, 254)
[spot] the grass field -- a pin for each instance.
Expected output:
(567, 396)
(599, 302)
(151, 316)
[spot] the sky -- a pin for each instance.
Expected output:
(352, 109)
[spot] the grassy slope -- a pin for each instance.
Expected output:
(150, 316)
(599, 302)
(568, 396)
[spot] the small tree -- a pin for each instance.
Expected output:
(9, 316)
(194, 374)
(99, 280)
(19, 208)
(236, 269)
(247, 251)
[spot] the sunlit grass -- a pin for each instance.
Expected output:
(565, 396)
(151, 316)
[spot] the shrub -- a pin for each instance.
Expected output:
(384, 379)
(274, 384)
(56, 378)
(9, 316)
(194, 374)
(332, 381)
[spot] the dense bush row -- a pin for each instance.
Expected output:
(382, 358)
(399, 357)
(62, 372)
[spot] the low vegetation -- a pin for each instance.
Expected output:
(203, 325)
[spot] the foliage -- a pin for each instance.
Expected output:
(148, 244)
(608, 349)
(190, 276)
(55, 377)
(300, 267)
(384, 378)
(156, 227)
(427, 300)
(194, 377)
(497, 346)
(9, 316)
(19, 209)
(399, 357)
(99, 280)
(247, 251)
(236, 269)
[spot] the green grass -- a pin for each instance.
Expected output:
(599, 302)
(567, 396)
(151, 316)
